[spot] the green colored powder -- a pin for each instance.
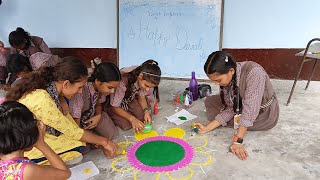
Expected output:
(182, 118)
(160, 153)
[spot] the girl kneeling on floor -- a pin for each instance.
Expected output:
(129, 108)
(247, 100)
(86, 107)
(44, 93)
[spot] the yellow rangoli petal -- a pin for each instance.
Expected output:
(139, 136)
(175, 132)
(195, 140)
(121, 169)
(196, 154)
(184, 178)
(135, 175)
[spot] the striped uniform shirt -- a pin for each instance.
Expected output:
(38, 46)
(3, 60)
(82, 101)
(117, 98)
(251, 101)
(40, 59)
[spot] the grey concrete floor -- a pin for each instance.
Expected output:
(290, 150)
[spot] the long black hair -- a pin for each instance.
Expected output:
(151, 73)
(17, 63)
(18, 128)
(221, 62)
(19, 37)
(70, 68)
(105, 72)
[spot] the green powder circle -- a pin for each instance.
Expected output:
(160, 153)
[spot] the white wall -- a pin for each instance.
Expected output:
(270, 23)
(92, 23)
(62, 23)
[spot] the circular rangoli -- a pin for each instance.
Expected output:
(160, 154)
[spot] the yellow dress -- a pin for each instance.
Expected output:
(44, 108)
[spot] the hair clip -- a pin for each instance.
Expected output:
(227, 59)
(150, 74)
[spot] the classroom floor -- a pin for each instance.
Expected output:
(290, 150)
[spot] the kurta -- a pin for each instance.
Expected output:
(44, 109)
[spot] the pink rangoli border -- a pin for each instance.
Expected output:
(189, 153)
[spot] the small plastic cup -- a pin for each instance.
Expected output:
(147, 128)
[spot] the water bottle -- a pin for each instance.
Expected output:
(193, 86)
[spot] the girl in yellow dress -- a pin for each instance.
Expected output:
(44, 93)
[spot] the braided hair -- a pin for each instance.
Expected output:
(221, 62)
(151, 73)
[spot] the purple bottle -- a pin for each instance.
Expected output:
(193, 86)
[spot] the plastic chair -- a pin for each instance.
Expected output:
(312, 52)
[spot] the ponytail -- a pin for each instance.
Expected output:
(156, 93)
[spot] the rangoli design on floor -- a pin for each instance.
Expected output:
(161, 155)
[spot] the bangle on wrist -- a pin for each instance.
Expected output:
(146, 109)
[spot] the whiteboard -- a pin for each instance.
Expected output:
(62, 23)
(179, 34)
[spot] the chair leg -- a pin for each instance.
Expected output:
(295, 81)
(313, 68)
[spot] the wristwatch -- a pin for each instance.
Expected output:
(237, 140)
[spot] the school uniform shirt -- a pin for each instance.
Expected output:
(37, 45)
(118, 98)
(81, 106)
(40, 59)
(81, 102)
(252, 98)
(3, 60)
(3, 69)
